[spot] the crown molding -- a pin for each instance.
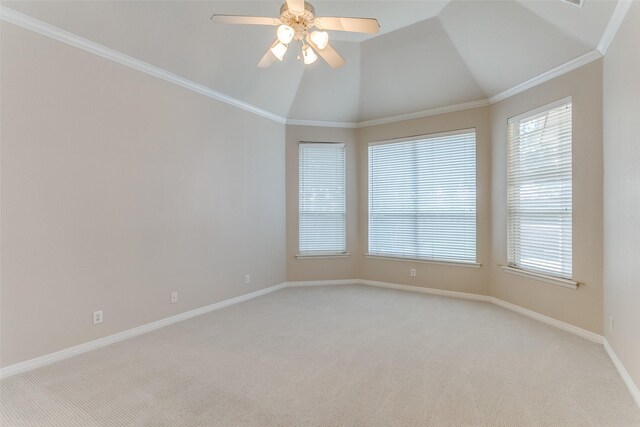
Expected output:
(391, 119)
(424, 113)
(548, 75)
(48, 30)
(320, 123)
(541, 78)
(614, 24)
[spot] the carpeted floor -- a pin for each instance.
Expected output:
(333, 356)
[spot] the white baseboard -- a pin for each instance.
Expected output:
(409, 288)
(92, 345)
(599, 339)
(120, 336)
(591, 336)
(628, 381)
(477, 297)
(431, 291)
(321, 283)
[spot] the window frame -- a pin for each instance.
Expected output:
(511, 267)
(322, 254)
(437, 261)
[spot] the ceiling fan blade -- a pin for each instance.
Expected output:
(268, 58)
(245, 20)
(329, 54)
(356, 25)
(296, 6)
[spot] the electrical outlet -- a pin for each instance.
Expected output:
(247, 279)
(611, 324)
(412, 272)
(97, 317)
(174, 297)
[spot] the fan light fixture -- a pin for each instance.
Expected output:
(320, 38)
(308, 55)
(285, 34)
(279, 50)
(298, 23)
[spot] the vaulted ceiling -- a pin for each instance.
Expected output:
(429, 54)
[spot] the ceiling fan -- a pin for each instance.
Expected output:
(296, 22)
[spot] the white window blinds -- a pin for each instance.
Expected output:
(322, 199)
(539, 191)
(422, 198)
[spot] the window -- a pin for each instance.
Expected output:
(539, 191)
(322, 199)
(422, 198)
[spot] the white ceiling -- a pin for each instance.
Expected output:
(429, 54)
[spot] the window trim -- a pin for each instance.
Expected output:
(425, 136)
(418, 137)
(536, 111)
(518, 270)
(554, 280)
(468, 264)
(324, 254)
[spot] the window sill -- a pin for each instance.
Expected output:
(323, 256)
(540, 277)
(427, 261)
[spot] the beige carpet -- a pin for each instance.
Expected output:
(333, 356)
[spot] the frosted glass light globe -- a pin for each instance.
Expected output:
(285, 34)
(320, 39)
(308, 55)
(279, 50)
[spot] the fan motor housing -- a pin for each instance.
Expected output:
(300, 23)
(307, 6)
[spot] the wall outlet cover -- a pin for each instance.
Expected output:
(97, 317)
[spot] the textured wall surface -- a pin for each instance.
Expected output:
(581, 307)
(622, 193)
(452, 278)
(118, 188)
(321, 268)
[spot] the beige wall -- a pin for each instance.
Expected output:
(118, 188)
(452, 278)
(622, 193)
(581, 307)
(319, 268)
